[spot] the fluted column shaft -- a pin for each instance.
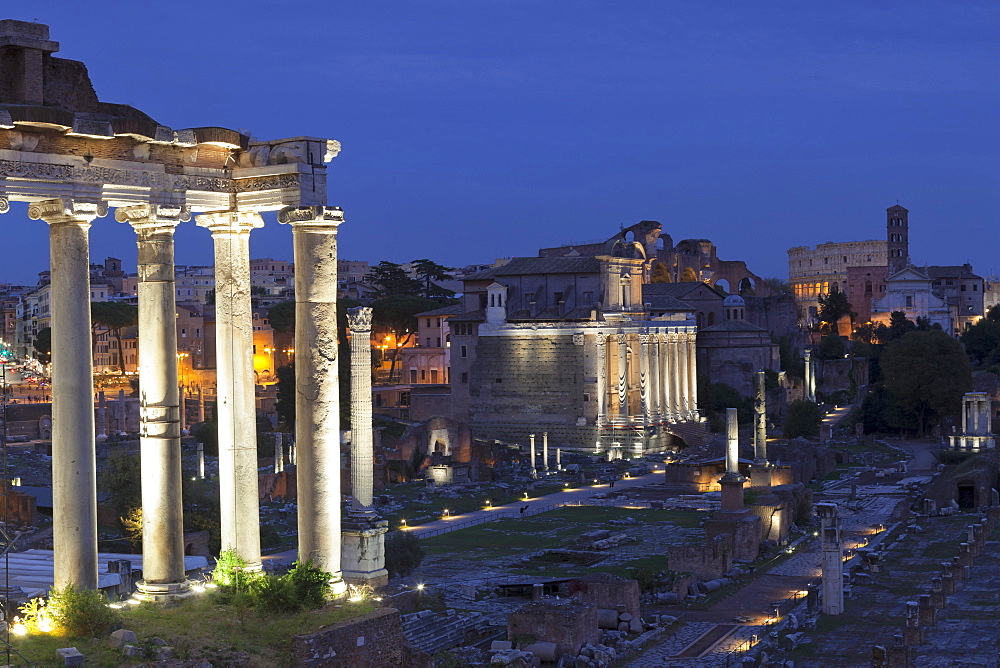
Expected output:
(655, 371)
(760, 422)
(362, 444)
(74, 473)
(235, 409)
(644, 373)
(680, 346)
(732, 442)
(622, 376)
(602, 377)
(692, 357)
(317, 391)
(159, 401)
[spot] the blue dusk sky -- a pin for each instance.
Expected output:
(478, 129)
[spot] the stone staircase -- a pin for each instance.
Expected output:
(430, 632)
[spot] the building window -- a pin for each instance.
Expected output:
(465, 352)
(413, 375)
(909, 301)
(423, 375)
(963, 287)
(439, 342)
(465, 378)
(586, 397)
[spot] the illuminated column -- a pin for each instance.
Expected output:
(666, 379)
(810, 388)
(833, 560)
(680, 349)
(234, 407)
(732, 442)
(760, 422)
(102, 416)
(656, 396)
(201, 405)
(74, 477)
(559, 458)
(675, 377)
(622, 376)
(160, 419)
(359, 320)
(531, 437)
(545, 451)
(279, 454)
(183, 411)
(317, 394)
(692, 367)
(602, 377)
(644, 373)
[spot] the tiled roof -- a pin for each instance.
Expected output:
(479, 315)
(543, 265)
(733, 326)
(453, 309)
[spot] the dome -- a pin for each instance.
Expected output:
(733, 300)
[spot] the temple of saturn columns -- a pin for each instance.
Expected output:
(72, 158)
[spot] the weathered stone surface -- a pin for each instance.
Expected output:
(70, 656)
(122, 637)
(375, 639)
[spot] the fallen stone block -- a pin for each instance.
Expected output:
(70, 656)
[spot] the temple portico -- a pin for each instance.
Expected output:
(71, 157)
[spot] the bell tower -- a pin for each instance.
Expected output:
(897, 228)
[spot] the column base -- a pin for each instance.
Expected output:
(162, 592)
(363, 551)
(760, 475)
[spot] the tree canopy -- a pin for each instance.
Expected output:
(43, 344)
(395, 315)
(115, 316)
(927, 372)
(428, 272)
(833, 307)
(282, 317)
(802, 419)
(389, 278)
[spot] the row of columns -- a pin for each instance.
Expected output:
(668, 376)
(317, 401)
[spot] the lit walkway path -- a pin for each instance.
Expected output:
(532, 506)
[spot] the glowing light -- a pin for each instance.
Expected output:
(133, 601)
(45, 625)
(420, 587)
(116, 606)
(210, 585)
(197, 589)
(447, 513)
(19, 629)
(525, 496)
(357, 598)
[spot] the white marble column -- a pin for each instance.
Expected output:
(317, 392)
(74, 476)
(680, 348)
(545, 451)
(732, 442)
(160, 419)
(359, 320)
(531, 438)
(760, 421)
(622, 376)
(692, 366)
(644, 373)
(655, 370)
(602, 377)
(279, 453)
(809, 384)
(235, 408)
(676, 376)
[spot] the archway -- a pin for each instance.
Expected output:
(723, 284)
(689, 276)
(746, 286)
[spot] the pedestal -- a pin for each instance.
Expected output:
(760, 475)
(363, 545)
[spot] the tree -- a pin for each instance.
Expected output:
(43, 344)
(396, 315)
(772, 287)
(802, 419)
(115, 316)
(833, 307)
(119, 482)
(898, 326)
(403, 553)
(282, 317)
(831, 347)
(428, 272)
(928, 373)
(982, 338)
(389, 278)
(284, 404)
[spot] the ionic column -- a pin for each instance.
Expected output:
(680, 349)
(234, 407)
(692, 369)
(359, 320)
(74, 477)
(675, 377)
(656, 397)
(317, 392)
(602, 377)
(159, 402)
(644, 375)
(622, 376)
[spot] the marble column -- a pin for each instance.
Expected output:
(160, 420)
(666, 379)
(316, 446)
(655, 370)
(364, 531)
(102, 416)
(732, 482)
(545, 451)
(74, 475)
(833, 560)
(602, 377)
(531, 439)
(680, 349)
(760, 422)
(809, 393)
(644, 373)
(182, 403)
(692, 369)
(201, 404)
(279, 453)
(622, 377)
(235, 408)
(359, 320)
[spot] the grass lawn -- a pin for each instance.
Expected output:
(198, 629)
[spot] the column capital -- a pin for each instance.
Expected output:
(359, 319)
(312, 216)
(229, 222)
(142, 216)
(64, 210)
(4, 205)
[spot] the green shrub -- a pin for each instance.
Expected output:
(311, 584)
(403, 553)
(82, 613)
(275, 594)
